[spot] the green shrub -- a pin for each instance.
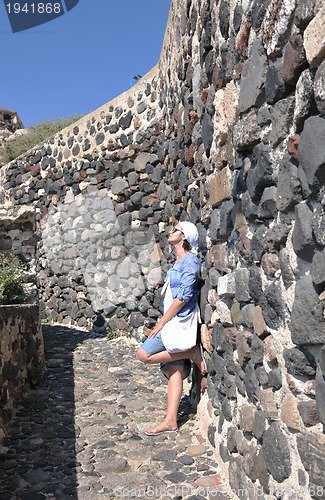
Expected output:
(12, 278)
(110, 333)
(34, 136)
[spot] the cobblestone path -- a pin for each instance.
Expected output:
(80, 433)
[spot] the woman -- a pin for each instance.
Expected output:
(180, 311)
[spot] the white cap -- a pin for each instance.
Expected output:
(191, 235)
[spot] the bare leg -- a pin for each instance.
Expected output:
(175, 390)
(193, 354)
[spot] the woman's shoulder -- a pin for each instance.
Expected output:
(190, 259)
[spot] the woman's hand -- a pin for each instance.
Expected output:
(172, 311)
(156, 329)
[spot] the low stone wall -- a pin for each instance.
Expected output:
(226, 131)
(21, 356)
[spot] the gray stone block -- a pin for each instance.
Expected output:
(312, 152)
(273, 305)
(263, 174)
(276, 453)
(299, 361)
(308, 412)
(318, 268)
(305, 102)
(281, 116)
(311, 448)
(318, 225)
(322, 359)
(307, 320)
(259, 424)
(319, 88)
(267, 208)
(257, 350)
(302, 238)
(251, 382)
(253, 77)
(320, 394)
(275, 88)
(289, 187)
(242, 285)
(304, 13)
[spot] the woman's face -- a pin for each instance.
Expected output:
(176, 235)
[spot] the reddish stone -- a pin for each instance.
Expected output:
(31, 242)
(206, 481)
(270, 264)
(258, 321)
(130, 102)
(218, 257)
(153, 96)
(51, 303)
(242, 43)
(297, 386)
(111, 145)
(269, 403)
(152, 198)
(230, 335)
(270, 352)
(203, 384)
(35, 170)
(216, 79)
(220, 187)
(220, 158)
(247, 417)
(43, 215)
(122, 154)
(194, 118)
(122, 325)
(290, 414)
(294, 60)
(210, 408)
(5, 244)
(292, 146)
(200, 438)
(245, 241)
(137, 122)
(190, 156)
(204, 96)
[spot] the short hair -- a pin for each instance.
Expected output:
(187, 247)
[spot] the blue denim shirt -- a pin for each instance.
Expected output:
(183, 277)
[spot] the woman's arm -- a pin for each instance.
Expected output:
(176, 306)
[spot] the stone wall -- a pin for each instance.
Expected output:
(10, 127)
(21, 356)
(21, 341)
(226, 131)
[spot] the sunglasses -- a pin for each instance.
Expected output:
(174, 229)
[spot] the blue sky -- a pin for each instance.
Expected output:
(81, 60)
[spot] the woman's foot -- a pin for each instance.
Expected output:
(197, 358)
(160, 428)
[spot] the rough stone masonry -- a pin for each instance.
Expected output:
(227, 131)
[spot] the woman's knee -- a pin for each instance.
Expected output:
(143, 356)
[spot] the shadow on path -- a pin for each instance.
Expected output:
(38, 457)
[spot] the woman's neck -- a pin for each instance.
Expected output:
(180, 252)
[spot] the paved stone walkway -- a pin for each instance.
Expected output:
(80, 433)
